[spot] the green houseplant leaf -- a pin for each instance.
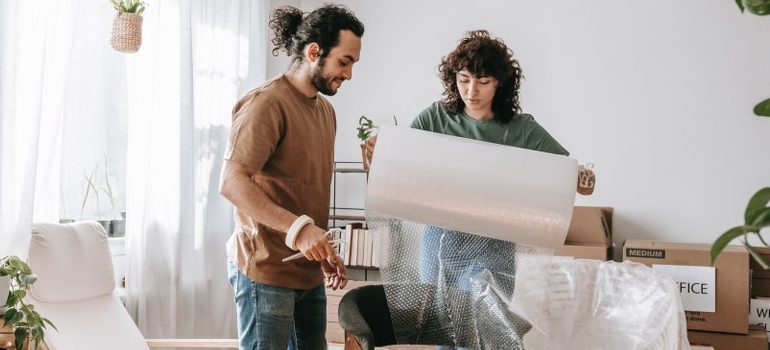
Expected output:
(761, 218)
(757, 202)
(28, 322)
(757, 217)
(758, 257)
(762, 109)
(727, 237)
(757, 7)
(365, 128)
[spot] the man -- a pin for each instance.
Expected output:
(278, 176)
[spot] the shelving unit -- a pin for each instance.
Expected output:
(341, 214)
(345, 168)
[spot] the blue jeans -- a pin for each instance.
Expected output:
(463, 257)
(429, 252)
(275, 318)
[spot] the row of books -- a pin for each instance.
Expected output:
(359, 247)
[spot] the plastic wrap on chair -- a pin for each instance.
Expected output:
(450, 288)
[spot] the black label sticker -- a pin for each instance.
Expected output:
(646, 253)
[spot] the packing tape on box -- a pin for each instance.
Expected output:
(496, 191)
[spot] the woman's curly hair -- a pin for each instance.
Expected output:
(483, 56)
(294, 29)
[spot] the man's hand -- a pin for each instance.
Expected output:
(335, 272)
(313, 242)
(586, 179)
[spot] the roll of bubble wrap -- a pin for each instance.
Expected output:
(491, 190)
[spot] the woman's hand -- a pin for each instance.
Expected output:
(586, 179)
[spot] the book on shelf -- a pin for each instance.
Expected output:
(350, 239)
(361, 243)
(346, 246)
(368, 249)
(375, 252)
(360, 247)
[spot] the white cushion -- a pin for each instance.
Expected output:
(98, 323)
(59, 254)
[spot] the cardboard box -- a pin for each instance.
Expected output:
(760, 278)
(759, 314)
(760, 287)
(589, 235)
(729, 296)
(755, 340)
(756, 268)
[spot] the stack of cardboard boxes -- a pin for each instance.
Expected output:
(759, 313)
(589, 235)
(715, 298)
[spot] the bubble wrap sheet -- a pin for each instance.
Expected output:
(589, 304)
(465, 231)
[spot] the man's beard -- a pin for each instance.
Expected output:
(322, 84)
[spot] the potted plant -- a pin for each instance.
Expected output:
(127, 25)
(757, 215)
(366, 129)
(113, 225)
(90, 184)
(756, 218)
(759, 8)
(29, 325)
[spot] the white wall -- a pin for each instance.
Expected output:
(657, 94)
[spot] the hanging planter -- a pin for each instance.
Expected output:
(126, 32)
(127, 25)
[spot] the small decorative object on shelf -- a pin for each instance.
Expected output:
(366, 129)
(28, 324)
(127, 25)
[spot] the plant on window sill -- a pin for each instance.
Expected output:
(29, 325)
(95, 190)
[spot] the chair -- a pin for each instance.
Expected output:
(581, 304)
(364, 315)
(76, 291)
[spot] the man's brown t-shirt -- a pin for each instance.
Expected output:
(289, 138)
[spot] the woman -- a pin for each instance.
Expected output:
(481, 80)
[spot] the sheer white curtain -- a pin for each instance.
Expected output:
(196, 59)
(53, 112)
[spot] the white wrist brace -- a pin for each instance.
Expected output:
(294, 229)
